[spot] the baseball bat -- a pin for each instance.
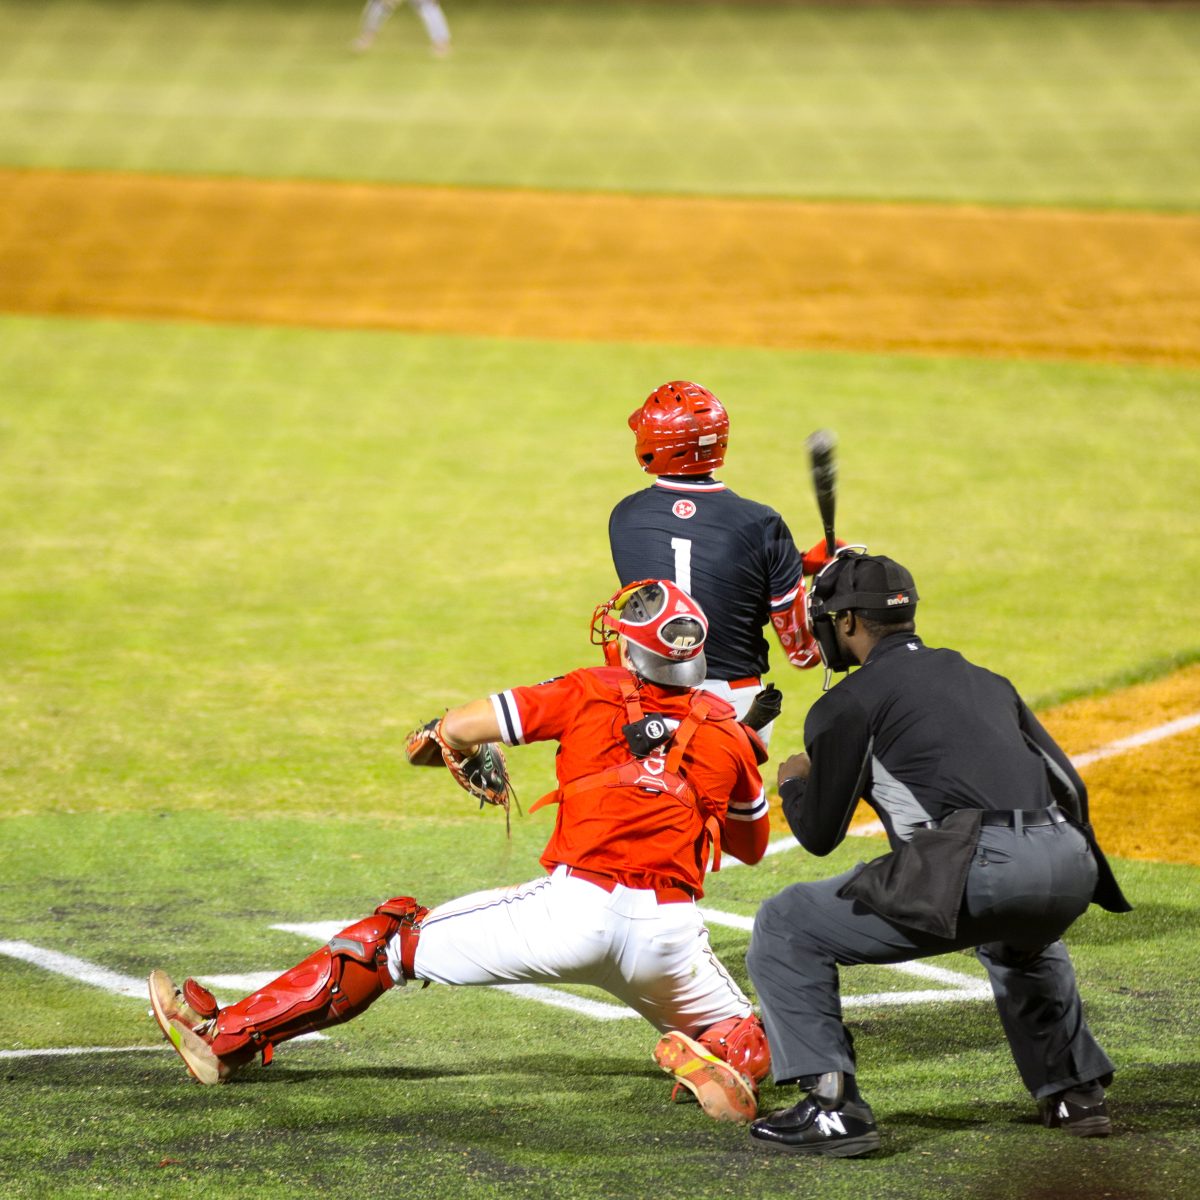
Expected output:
(822, 456)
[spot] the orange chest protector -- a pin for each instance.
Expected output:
(659, 770)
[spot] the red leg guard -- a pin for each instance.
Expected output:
(742, 1043)
(338, 982)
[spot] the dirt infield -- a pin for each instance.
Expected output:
(1027, 283)
(1145, 801)
(1118, 287)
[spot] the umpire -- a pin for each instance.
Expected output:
(991, 848)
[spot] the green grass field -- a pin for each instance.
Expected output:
(474, 1093)
(227, 594)
(238, 563)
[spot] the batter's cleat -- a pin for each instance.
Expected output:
(723, 1092)
(362, 43)
(809, 1127)
(186, 1030)
(1079, 1111)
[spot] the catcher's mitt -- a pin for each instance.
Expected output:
(483, 773)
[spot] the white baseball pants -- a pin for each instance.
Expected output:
(654, 957)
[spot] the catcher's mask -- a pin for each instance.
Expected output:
(682, 429)
(879, 588)
(664, 631)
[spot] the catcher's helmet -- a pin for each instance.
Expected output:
(880, 588)
(663, 627)
(682, 429)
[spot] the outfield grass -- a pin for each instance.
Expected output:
(235, 573)
(1095, 105)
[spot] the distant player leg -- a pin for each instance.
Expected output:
(374, 15)
(434, 20)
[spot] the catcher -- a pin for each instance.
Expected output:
(652, 776)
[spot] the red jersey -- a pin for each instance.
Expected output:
(642, 836)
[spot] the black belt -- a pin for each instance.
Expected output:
(1019, 818)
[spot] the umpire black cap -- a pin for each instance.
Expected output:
(878, 587)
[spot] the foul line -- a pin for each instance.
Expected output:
(957, 987)
(1136, 740)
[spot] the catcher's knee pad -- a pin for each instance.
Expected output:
(338, 982)
(742, 1043)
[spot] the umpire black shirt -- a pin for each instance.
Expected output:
(919, 733)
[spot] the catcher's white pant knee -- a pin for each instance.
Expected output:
(654, 957)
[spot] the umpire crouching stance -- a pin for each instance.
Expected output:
(991, 848)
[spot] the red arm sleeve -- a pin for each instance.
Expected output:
(746, 837)
(791, 627)
(731, 771)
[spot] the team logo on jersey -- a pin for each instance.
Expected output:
(651, 774)
(684, 509)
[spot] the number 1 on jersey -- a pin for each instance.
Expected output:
(683, 562)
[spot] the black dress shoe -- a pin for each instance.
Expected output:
(1079, 1111)
(807, 1128)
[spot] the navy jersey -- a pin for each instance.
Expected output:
(736, 558)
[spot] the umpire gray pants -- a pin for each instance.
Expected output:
(1023, 890)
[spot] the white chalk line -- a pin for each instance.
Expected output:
(76, 1051)
(1137, 740)
(79, 970)
(958, 987)
(1134, 742)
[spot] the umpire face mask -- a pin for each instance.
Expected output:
(856, 580)
(822, 612)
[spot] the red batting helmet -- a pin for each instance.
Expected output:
(682, 429)
(663, 627)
